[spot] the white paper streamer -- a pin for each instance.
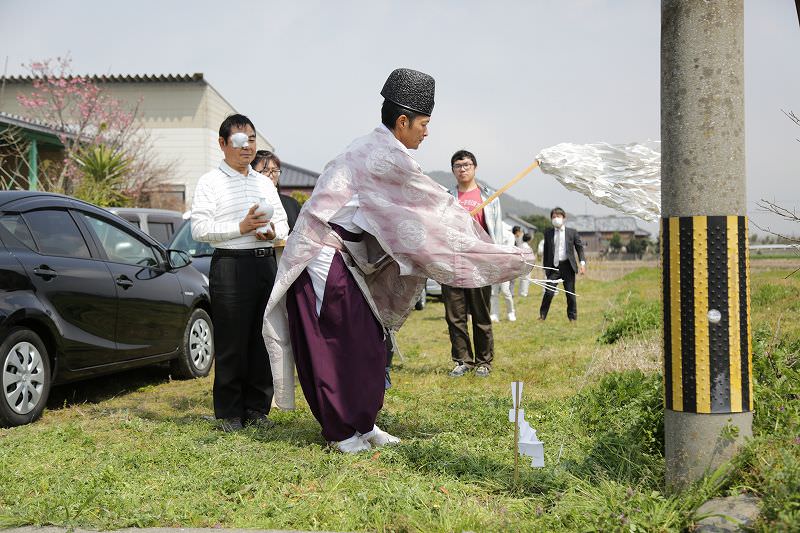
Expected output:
(528, 443)
(626, 177)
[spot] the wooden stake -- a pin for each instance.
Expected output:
(505, 187)
(516, 433)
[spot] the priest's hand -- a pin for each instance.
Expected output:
(252, 221)
(582, 268)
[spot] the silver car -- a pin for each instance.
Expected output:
(431, 288)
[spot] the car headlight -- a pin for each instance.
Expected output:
(205, 279)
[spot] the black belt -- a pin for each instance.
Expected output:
(257, 252)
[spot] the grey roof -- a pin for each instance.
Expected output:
(294, 176)
(612, 223)
(514, 220)
(112, 78)
(30, 124)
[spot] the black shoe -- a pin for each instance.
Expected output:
(258, 419)
(229, 425)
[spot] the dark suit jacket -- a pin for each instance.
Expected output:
(292, 208)
(573, 244)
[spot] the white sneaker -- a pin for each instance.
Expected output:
(354, 444)
(459, 371)
(512, 317)
(494, 318)
(378, 437)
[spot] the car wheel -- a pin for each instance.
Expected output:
(197, 351)
(420, 305)
(25, 376)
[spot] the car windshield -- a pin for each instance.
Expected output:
(183, 241)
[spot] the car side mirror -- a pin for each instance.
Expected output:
(178, 258)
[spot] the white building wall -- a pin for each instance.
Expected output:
(186, 150)
(181, 118)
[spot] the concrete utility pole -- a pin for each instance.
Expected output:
(708, 391)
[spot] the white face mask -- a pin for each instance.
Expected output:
(557, 222)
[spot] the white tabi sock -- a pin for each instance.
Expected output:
(354, 444)
(378, 437)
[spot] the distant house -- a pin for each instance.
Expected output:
(596, 232)
(181, 113)
(514, 220)
(38, 144)
(294, 178)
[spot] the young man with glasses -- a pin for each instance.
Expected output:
(243, 267)
(460, 302)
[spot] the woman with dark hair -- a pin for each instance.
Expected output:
(269, 164)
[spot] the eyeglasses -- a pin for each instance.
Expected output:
(271, 172)
(465, 166)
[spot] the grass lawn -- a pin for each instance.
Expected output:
(138, 449)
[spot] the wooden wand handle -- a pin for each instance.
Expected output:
(505, 187)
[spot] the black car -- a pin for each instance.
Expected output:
(83, 293)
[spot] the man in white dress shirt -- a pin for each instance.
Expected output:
(225, 213)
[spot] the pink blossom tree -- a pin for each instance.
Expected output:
(87, 117)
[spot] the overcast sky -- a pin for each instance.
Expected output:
(512, 77)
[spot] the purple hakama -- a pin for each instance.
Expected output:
(340, 355)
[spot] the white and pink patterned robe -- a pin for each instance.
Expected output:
(416, 230)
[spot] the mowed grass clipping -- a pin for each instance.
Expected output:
(138, 449)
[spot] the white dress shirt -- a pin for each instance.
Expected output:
(560, 245)
(222, 199)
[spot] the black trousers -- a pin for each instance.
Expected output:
(457, 303)
(566, 273)
(240, 286)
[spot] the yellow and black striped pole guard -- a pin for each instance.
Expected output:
(706, 293)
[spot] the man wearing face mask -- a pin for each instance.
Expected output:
(560, 245)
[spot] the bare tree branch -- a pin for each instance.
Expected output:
(794, 118)
(783, 212)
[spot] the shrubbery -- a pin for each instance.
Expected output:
(771, 293)
(634, 318)
(770, 464)
(625, 413)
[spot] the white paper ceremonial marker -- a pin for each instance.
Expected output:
(516, 398)
(530, 445)
(525, 440)
(516, 392)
